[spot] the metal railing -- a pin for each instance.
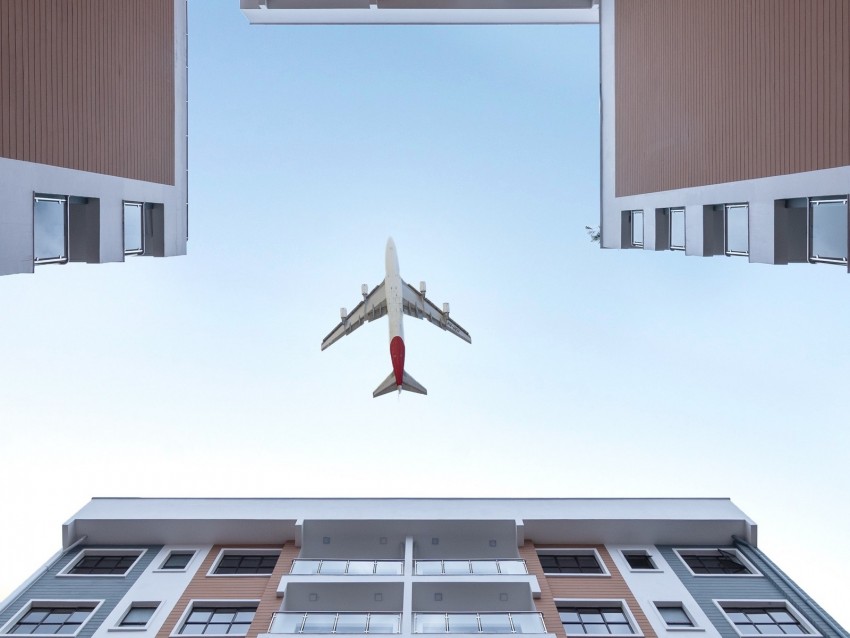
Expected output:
(476, 567)
(475, 623)
(284, 622)
(335, 567)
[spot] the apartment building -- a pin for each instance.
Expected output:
(554, 568)
(93, 126)
(725, 123)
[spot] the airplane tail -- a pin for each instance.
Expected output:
(407, 383)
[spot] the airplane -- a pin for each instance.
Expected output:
(394, 297)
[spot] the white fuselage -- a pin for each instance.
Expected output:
(393, 285)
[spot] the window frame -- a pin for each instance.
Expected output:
(52, 602)
(668, 604)
(777, 603)
(212, 602)
(573, 551)
(137, 604)
(603, 602)
(94, 551)
(670, 211)
(705, 551)
(141, 205)
(641, 570)
(252, 551)
(810, 218)
(172, 570)
(726, 251)
(36, 197)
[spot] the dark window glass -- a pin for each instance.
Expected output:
(719, 562)
(570, 564)
(591, 620)
(52, 620)
(218, 621)
(675, 616)
(639, 560)
(177, 560)
(246, 564)
(773, 621)
(138, 616)
(107, 565)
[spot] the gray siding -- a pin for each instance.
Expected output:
(705, 589)
(108, 589)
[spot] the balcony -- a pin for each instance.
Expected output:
(512, 566)
(485, 623)
(347, 567)
(335, 623)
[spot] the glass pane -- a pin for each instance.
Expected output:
(620, 629)
(780, 615)
(495, 623)
(361, 567)
(238, 629)
(319, 623)
(23, 629)
(747, 629)
(590, 615)
(596, 629)
(463, 624)
(305, 567)
(737, 229)
(512, 567)
(792, 629)
(528, 624)
(333, 567)
(574, 629)
(177, 560)
(34, 615)
(569, 616)
(217, 628)
(245, 616)
(223, 616)
(351, 624)
(614, 616)
(138, 616)
(485, 567)
(65, 629)
(384, 624)
(58, 616)
(674, 616)
(429, 624)
(637, 228)
(199, 615)
(49, 229)
(428, 567)
(79, 615)
(829, 230)
(389, 567)
(132, 227)
(762, 617)
(286, 623)
(677, 228)
(455, 567)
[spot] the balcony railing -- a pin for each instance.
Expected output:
(489, 623)
(335, 623)
(463, 567)
(348, 567)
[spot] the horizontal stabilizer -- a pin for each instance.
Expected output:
(408, 383)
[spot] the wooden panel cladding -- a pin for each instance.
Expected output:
(722, 90)
(223, 588)
(580, 588)
(89, 85)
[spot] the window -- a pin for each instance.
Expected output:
(828, 230)
(639, 559)
(50, 230)
(177, 560)
(134, 236)
(637, 228)
(737, 238)
(107, 562)
(716, 562)
(138, 615)
(578, 562)
(674, 615)
(677, 229)
(47, 618)
(592, 618)
(765, 618)
(218, 620)
(247, 563)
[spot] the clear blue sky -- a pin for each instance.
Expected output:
(591, 373)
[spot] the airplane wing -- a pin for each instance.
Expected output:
(415, 304)
(373, 306)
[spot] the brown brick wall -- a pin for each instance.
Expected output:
(714, 91)
(583, 587)
(89, 85)
(262, 588)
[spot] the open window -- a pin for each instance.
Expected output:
(828, 230)
(50, 229)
